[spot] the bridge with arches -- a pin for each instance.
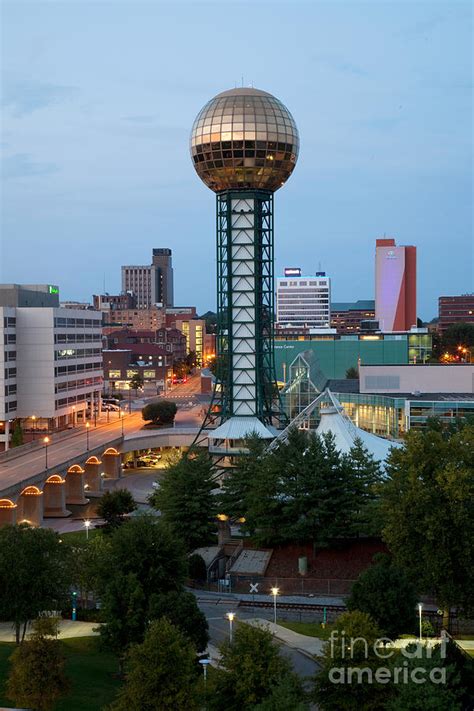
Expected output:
(46, 494)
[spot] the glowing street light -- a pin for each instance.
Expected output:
(275, 592)
(230, 616)
(420, 608)
(122, 415)
(88, 424)
(33, 417)
(87, 525)
(46, 442)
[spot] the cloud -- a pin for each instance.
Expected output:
(21, 165)
(24, 97)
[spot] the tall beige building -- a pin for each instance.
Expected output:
(152, 285)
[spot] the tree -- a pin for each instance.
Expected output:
(352, 373)
(114, 506)
(429, 696)
(428, 508)
(385, 593)
(302, 490)
(162, 673)
(136, 382)
(161, 412)
(351, 646)
(37, 678)
(17, 434)
(181, 609)
(251, 669)
(197, 567)
(458, 335)
(144, 559)
(185, 498)
(35, 574)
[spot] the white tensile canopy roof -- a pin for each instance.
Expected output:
(345, 434)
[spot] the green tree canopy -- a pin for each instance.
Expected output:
(385, 593)
(185, 498)
(144, 559)
(37, 676)
(458, 334)
(350, 647)
(302, 490)
(137, 381)
(161, 673)
(352, 373)
(251, 671)
(35, 573)
(160, 412)
(182, 610)
(428, 508)
(114, 506)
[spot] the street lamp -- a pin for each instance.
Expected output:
(88, 424)
(122, 414)
(204, 663)
(46, 442)
(230, 617)
(275, 592)
(420, 608)
(33, 417)
(87, 525)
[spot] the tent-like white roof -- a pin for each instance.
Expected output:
(240, 428)
(345, 433)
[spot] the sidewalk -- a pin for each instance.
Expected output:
(309, 646)
(67, 629)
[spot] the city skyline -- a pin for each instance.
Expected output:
(96, 145)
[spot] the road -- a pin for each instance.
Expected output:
(73, 443)
(215, 610)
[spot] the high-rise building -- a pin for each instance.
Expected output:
(51, 365)
(152, 285)
(455, 309)
(303, 300)
(395, 286)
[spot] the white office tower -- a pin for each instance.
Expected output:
(303, 301)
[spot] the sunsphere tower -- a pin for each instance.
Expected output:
(244, 146)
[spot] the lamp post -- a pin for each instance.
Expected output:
(420, 608)
(204, 663)
(88, 424)
(121, 418)
(87, 525)
(46, 442)
(275, 592)
(230, 617)
(33, 417)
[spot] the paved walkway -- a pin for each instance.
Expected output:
(67, 629)
(310, 646)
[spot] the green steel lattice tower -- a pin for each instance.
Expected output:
(244, 146)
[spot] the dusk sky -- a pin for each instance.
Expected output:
(99, 99)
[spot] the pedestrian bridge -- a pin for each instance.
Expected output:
(46, 494)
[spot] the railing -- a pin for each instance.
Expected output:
(234, 556)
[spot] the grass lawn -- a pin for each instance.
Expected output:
(79, 537)
(90, 669)
(311, 629)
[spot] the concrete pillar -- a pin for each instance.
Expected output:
(54, 497)
(93, 480)
(7, 512)
(75, 485)
(30, 506)
(7, 435)
(112, 465)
